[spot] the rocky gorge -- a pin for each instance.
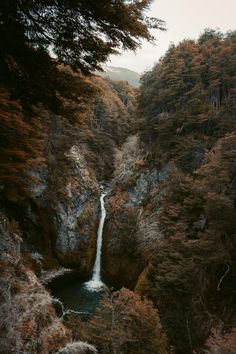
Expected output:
(166, 154)
(55, 213)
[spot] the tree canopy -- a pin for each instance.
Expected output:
(124, 323)
(81, 33)
(195, 98)
(187, 106)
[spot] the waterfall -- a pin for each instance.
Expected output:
(96, 284)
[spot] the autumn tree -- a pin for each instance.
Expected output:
(22, 147)
(124, 323)
(188, 99)
(187, 120)
(192, 259)
(81, 34)
(221, 341)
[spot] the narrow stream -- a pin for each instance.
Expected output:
(85, 297)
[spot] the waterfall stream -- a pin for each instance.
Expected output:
(96, 284)
(84, 297)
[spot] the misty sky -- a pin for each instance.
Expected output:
(184, 19)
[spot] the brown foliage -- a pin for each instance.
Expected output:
(193, 266)
(124, 323)
(187, 225)
(21, 146)
(219, 343)
(194, 90)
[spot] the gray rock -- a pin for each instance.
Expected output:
(78, 348)
(144, 185)
(80, 206)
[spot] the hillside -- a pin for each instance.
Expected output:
(175, 184)
(118, 73)
(52, 163)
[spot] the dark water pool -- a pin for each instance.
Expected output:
(75, 296)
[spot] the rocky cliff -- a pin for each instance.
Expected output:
(52, 164)
(169, 235)
(51, 173)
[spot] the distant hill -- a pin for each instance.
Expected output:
(118, 73)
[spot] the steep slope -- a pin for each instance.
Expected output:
(29, 322)
(59, 130)
(173, 201)
(170, 230)
(52, 163)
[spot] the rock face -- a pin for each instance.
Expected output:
(49, 188)
(75, 217)
(124, 236)
(125, 230)
(49, 183)
(61, 223)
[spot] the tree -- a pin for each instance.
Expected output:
(220, 342)
(193, 86)
(81, 33)
(125, 324)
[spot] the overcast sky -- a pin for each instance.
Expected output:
(184, 19)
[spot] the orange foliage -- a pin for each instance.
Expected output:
(124, 323)
(118, 200)
(219, 342)
(22, 145)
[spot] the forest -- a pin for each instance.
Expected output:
(166, 153)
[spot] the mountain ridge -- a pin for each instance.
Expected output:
(120, 73)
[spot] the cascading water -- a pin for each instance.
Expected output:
(96, 284)
(84, 297)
